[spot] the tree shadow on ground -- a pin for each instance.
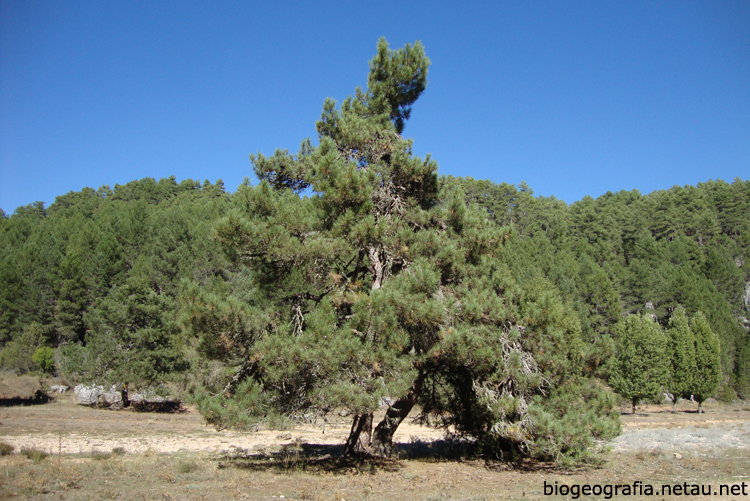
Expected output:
(325, 458)
(161, 407)
(38, 398)
(527, 465)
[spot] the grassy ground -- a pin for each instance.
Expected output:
(201, 476)
(64, 451)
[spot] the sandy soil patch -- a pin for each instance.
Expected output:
(63, 426)
(656, 429)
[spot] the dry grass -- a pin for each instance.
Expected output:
(20, 476)
(36, 455)
(322, 478)
(6, 449)
(96, 466)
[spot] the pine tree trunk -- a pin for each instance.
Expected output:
(633, 402)
(360, 435)
(382, 441)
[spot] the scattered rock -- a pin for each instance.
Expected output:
(112, 399)
(97, 396)
(149, 402)
(88, 395)
(116, 397)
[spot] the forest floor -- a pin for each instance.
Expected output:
(103, 454)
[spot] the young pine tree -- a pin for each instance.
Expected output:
(707, 360)
(131, 336)
(642, 361)
(682, 356)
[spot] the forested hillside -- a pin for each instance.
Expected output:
(630, 253)
(97, 274)
(67, 271)
(352, 276)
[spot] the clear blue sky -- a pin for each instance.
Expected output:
(574, 97)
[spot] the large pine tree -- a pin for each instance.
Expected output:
(377, 285)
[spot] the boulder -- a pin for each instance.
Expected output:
(149, 402)
(116, 397)
(88, 395)
(112, 399)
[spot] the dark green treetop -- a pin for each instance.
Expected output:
(397, 79)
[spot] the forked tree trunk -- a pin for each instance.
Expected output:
(362, 440)
(382, 441)
(360, 435)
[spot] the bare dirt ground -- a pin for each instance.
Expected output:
(176, 456)
(655, 429)
(64, 427)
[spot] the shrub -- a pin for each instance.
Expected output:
(6, 449)
(100, 456)
(44, 357)
(726, 394)
(187, 466)
(34, 454)
(15, 357)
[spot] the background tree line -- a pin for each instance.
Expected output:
(67, 272)
(626, 253)
(97, 275)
